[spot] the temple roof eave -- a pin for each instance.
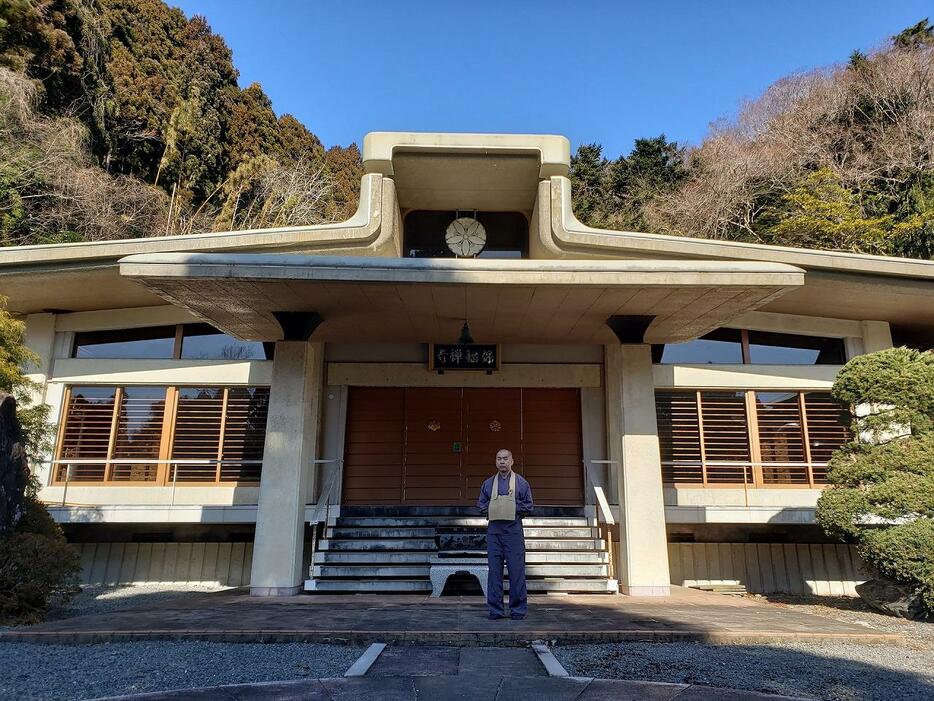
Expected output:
(368, 299)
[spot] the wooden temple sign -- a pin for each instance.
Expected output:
(455, 356)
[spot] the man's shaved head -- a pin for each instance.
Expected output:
(504, 461)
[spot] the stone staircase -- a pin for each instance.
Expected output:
(388, 549)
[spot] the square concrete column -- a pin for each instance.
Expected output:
(632, 433)
(291, 448)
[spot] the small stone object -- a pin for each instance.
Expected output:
(440, 571)
(14, 470)
(892, 598)
(460, 538)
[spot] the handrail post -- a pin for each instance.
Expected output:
(65, 489)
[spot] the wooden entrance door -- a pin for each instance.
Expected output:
(435, 446)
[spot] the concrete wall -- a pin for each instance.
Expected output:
(765, 568)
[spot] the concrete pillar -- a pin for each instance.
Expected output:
(40, 339)
(291, 448)
(877, 335)
(632, 433)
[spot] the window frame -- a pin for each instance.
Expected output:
(814, 470)
(177, 344)
(746, 353)
(165, 475)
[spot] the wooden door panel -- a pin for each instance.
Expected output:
(494, 421)
(551, 444)
(433, 424)
(400, 443)
(373, 450)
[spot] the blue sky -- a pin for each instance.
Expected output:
(608, 72)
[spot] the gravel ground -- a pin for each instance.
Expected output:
(917, 634)
(66, 672)
(836, 671)
(52, 672)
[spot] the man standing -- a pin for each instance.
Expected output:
(504, 499)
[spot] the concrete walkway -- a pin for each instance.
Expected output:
(475, 674)
(234, 616)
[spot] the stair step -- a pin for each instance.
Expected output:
(361, 571)
(457, 511)
(368, 585)
(551, 544)
(386, 557)
(479, 522)
(590, 586)
(420, 571)
(535, 586)
(429, 532)
(377, 544)
(371, 557)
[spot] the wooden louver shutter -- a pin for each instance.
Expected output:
(139, 433)
(244, 433)
(197, 433)
(222, 428)
(781, 438)
(86, 435)
(679, 436)
(828, 423)
(726, 437)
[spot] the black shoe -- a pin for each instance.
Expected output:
(517, 616)
(495, 617)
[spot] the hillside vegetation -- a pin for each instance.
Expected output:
(837, 158)
(122, 118)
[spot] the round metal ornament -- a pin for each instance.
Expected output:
(466, 237)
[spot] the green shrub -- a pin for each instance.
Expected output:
(38, 568)
(881, 493)
(904, 553)
(38, 520)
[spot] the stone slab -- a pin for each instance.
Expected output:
(411, 661)
(553, 689)
(358, 688)
(509, 662)
(613, 690)
(473, 688)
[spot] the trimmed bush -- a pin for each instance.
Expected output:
(35, 573)
(881, 492)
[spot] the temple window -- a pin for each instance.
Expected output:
(739, 346)
(748, 437)
(188, 341)
(161, 435)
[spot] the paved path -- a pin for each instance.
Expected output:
(234, 616)
(475, 674)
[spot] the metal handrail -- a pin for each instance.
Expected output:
(603, 505)
(324, 500)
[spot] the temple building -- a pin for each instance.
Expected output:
(302, 409)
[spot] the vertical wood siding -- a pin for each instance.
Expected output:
(767, 568)
(224, 564)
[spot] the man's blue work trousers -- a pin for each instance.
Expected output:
(504, 541)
